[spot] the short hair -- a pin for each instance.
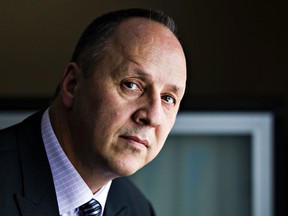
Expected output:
(92, 43)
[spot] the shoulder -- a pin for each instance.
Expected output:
(123, 184)
(10, 136)
(10, 170)
(125, 192)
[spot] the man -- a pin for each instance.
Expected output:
(115, 105)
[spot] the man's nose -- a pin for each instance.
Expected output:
(150, 112)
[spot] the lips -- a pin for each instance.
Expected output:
(137, 140)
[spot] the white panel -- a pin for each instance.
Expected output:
(260, 126)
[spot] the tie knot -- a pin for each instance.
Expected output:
(91, 208)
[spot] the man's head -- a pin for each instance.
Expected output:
(93, 41)
(115, 119)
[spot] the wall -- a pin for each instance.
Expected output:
(235, 49)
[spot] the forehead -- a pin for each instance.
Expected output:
(144, 34)
(150, 40)
(152, 47)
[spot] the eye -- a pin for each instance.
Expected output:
(169, 99)
(131, 85)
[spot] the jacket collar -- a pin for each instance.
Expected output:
(39, 196)
(117, 204)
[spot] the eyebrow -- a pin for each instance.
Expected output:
(141, 73)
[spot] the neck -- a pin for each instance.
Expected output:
(94, 176)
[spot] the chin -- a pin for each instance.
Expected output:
(125, 168)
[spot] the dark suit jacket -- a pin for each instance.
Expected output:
(26, 185)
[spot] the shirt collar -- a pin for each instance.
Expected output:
(71, 189)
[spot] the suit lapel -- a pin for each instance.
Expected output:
(39, 197)
(117, 204)
(114, 208)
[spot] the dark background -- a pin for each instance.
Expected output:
(236, 54)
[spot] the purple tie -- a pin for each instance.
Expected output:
(91, 208)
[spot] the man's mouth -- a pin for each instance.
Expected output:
(136, 140)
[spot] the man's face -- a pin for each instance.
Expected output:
(124, 111)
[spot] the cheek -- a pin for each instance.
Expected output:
(111, 115)
(114, 112)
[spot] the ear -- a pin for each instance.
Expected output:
(69, 84)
